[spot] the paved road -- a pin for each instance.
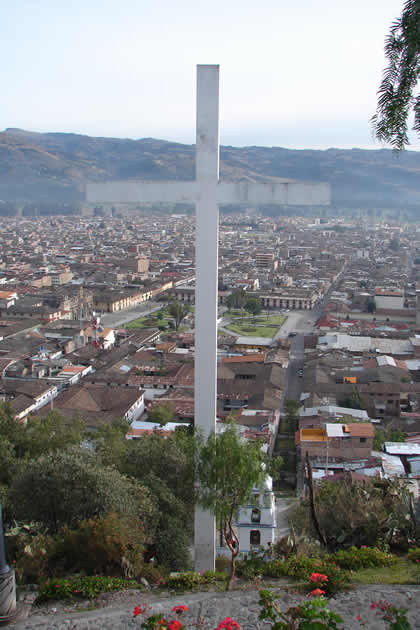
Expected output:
(122, 317)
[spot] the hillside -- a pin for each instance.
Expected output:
(53, 167)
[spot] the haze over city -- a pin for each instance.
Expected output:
(294, 75)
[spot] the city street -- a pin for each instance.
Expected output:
(122, 317)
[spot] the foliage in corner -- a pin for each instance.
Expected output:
(396, 98)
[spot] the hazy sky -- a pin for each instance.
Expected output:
(294, 73)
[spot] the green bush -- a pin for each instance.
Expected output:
(31, 554)
(414, 555)
(275, 568)
(362, 558)
(222, 564)
(110, 545)
(300, 567)
(184, 581)
(250, 566)
(82, 587)
(337, 578)
(211, 577)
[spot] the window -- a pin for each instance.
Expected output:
(254, 537)
(363, 440)
(255, 515)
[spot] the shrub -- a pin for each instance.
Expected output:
(250, 566)
(275, 568)
(283, 547)
(311, 614)
(211, 577)
(31, 556)
(362, 558)
(300, 567)
(111, 545)
(222, 563)
(414, 555)
(336, 580)
(83, 587)
(184, 581)
(153, 574)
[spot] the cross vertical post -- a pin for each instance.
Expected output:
(207, 193)
(206, 270)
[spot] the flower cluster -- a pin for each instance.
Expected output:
(318, 577)
(156, 622)
(394, 616)
(228, 624)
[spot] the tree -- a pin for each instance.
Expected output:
(291, 408)
(51, 433)
(396, 98)
(228, 469)
(236, 299)
(386, 435)
(166, 467)
(353, 400)
(39, 435)
(361, 513)
(253, 306)
(162, 413)
(371, 305)
(64, 488)
(178, 311)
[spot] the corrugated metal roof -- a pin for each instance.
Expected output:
(385, 360)
(334, 410)
(392, 466)
(402, 448)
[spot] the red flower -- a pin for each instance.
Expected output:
(174, 625)
(373, 605)
(358, 618)
(136, 611)
(179, 609)
(228, 624)
(318, 577)
(317, 592)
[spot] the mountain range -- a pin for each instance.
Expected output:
(54, 167)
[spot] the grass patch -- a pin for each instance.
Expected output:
(260, 327)
(402, 572)
(150, 321)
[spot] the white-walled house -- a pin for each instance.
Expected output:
(256, 523)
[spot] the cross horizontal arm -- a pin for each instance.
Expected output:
(289, 194)
(143, 192)
(257, 193)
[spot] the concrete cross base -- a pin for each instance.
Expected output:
(7, 597)
(204, 540)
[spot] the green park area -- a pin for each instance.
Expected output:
(256, 327)
(153, 320)
(167, 318)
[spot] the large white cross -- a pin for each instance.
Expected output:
(207, 192)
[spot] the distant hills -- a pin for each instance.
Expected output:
(53, 168)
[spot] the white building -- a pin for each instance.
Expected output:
(389, 299)
(256, 523)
